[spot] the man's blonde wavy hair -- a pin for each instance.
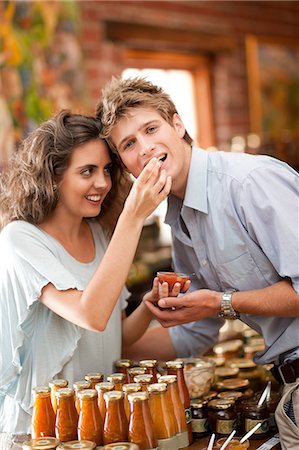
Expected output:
(120, 96)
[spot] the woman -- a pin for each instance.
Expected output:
(59, 279)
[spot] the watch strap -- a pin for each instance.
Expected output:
(226, 308)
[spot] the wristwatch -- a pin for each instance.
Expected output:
(226, 308)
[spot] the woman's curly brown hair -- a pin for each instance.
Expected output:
(28, 188)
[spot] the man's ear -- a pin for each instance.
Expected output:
(178, 125)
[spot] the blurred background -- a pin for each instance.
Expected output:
(232, 68)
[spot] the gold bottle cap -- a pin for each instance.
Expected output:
(226, 371)
(58, 383)
(41, 390)
(87, 393)
(123, 363)
(78, 444)
(233, 384)
(176, 364)
(105, 386)
(209, 395)
(131, 387)
(121, 446)
(168, 379)
(137, 396)
(136, 371)
(157, 387)
(219, 403)
(144, 378)
(148, 363)
(198, 402)
(113, 395)
(82, 384)
(116, 377)
(94, 376)
(45, 443)
(64, 392)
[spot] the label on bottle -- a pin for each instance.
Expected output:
(168, 444)
(183, 439)
(250, 423)
(188, 415)
(199, 425)
(225, 426)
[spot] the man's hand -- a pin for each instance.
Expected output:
(197, 305)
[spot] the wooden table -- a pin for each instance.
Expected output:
(254, 444)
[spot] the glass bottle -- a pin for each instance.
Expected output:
(141, 426)
(118, 379)
(133, 371)
(101, 388)
(90, 421)
(163, 418)
(79, 386)
(144, 380)
(129, 388)
(43, 417)
(151, 366)
(115, 423)
(66, 416)
(222, 416)
(238, 399)
(59, 383)
(177, 368)
(178, 408)
(94, 378)
(48, 443)
(199, 412)
(122, 365)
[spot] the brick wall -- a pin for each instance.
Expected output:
(229, 74)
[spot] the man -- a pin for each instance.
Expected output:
(234, 221)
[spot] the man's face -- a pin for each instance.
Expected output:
(144, 134)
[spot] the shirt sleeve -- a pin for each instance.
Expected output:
(269, 207)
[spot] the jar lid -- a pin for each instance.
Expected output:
(116, 377)
(176, 364)
(209, 395)
(113, 395)
(168, 379)
(45, 443)
(143, 378)
(94, 376)
(121, 446)
(78, 444)
(123, 363)
(138, 396)
(198, 402)
(219, 403)
(157, 387)
(82, 384)
(64, 392)
(58, 383)
(241, 363)
(131, 387)
(148, 363)
(105, 386)
(87, 393)
(136, 370)
(228, 346)
(233, 383)
(41, 390)
(226, 371)
(230, 395)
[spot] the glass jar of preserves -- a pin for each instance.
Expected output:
(90, 421)
(133, 371)
(144, 380)
(199, 413)
(115, 423)
(248, 370)
(101, 388)
(47, 443)
(66, 416)
(79, 386)
(94, 378)
(118, 379)
(237, 398)
(254, 414)
(129, 388)
(82, 445)
(59, 383)
(141, 426)
(164, 422)
(43, 416)
(151, 366)
(178, 408)
(222, 416)
(122, 365)
(176, 367)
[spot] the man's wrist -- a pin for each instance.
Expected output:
(227, 310)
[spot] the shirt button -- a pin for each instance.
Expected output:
(204, 262)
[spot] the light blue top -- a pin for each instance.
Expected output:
(242, 215)
(37, 344)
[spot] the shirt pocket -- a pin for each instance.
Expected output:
(241, 273)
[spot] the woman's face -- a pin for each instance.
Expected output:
(86, 181)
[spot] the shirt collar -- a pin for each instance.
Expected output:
(196, 189)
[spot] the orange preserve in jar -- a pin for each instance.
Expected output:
(101, 388)
(178, 409)
(129, 388)
(115, 423)
(79, 386)
(162, 414)
(43, 417)
(151, 367)
(94, 378)
(118, 379)
(90, 421)
(59, 383)
(141, 426)
(66, 416)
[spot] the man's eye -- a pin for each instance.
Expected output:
(151, 130)
(128, 145)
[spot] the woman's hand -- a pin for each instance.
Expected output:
(151, 187)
